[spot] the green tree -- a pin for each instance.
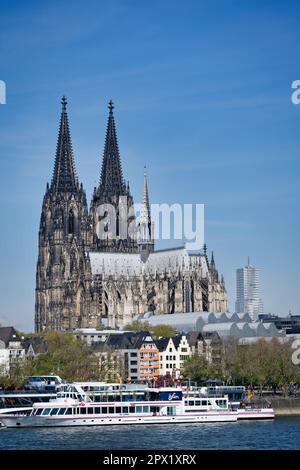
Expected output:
(68, 357)
(197, 369)
(165, 331)
(137, 325)
(156, 331)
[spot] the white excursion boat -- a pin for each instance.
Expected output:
(115, 404)
(246, 411)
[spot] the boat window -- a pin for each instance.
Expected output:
(39, 411)
(54, 411)
(145, 409)
(46, 411)
(125, 409)
(111, 410)
(104, 409)
(154, 409)
(83, 411)
(97, 410)
(191, 403)
(62, 411)
(118, 409)
(132, 409)
(204, 402)
(90, 410)
(69, 411)
(197, 403)
(139, 409)
(171, 410)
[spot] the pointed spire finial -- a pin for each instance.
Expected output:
(110, 106)
(212, 262)
(64, 103)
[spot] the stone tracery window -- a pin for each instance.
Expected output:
(71, 224)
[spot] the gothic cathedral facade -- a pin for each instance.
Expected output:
(88, 279)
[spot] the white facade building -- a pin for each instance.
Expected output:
(248, 292)
(172, 354)
(11, 348)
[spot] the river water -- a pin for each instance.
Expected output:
(282, 433)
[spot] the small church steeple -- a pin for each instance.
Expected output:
(145, 228)
(145, 213)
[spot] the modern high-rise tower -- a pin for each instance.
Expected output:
(248, 291)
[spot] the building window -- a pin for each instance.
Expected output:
(71, 222)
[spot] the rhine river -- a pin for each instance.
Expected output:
(282, 433)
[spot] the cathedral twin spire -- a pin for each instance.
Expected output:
(64, 175)
(111, 179)
(111, 185)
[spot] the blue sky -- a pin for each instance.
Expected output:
(202, 94)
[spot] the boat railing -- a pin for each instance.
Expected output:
(26, 392)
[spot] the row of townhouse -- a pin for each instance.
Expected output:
(173, 352)
(15, 348)
(137, 356)
(131, 356)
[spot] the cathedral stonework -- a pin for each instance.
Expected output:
(88, 279)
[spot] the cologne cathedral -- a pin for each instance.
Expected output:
(88, 279)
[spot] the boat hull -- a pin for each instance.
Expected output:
(39, 421)
(255, 414)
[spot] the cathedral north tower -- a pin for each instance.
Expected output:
(64, 297)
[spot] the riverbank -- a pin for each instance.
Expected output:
(285, 406)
